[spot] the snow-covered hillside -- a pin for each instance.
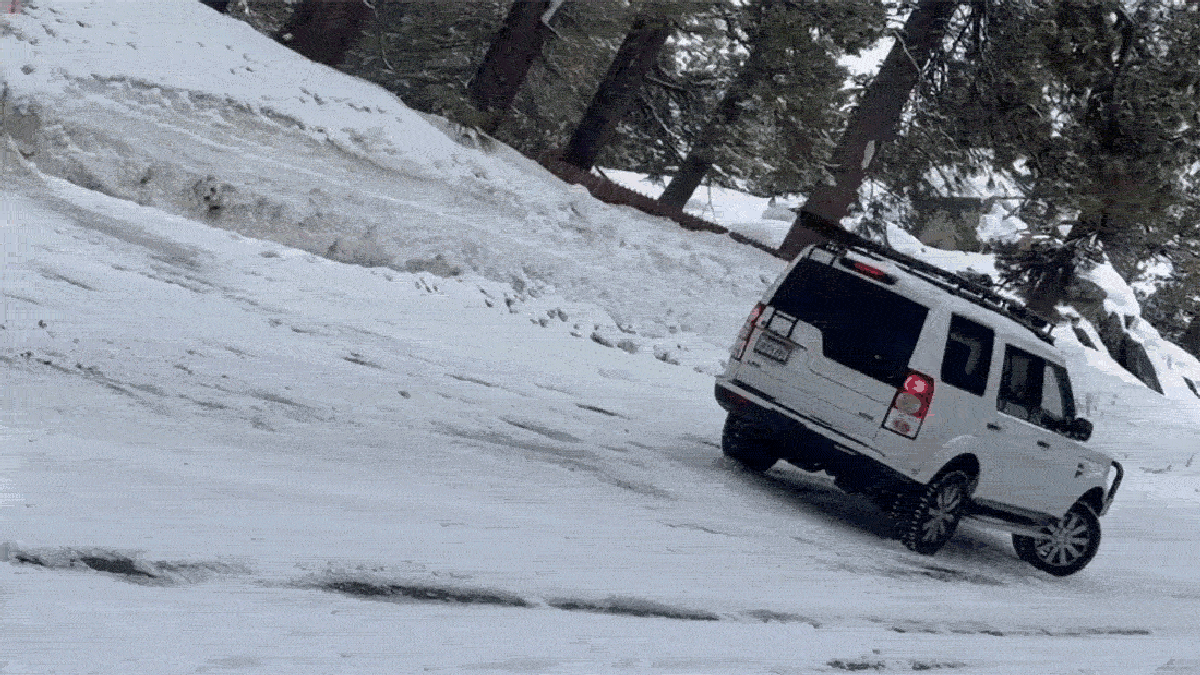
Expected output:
(224, 449)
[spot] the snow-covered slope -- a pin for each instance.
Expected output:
(176, 107)
(223, 451)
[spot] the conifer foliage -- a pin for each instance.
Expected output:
(873, 121)
(787, 87)
(1091, 106)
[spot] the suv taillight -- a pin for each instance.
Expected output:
(743, 338)
(910, 405)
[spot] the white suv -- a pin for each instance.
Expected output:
(929, 393)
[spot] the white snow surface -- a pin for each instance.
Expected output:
(495, 450)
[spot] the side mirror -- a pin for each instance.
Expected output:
(1080, 429)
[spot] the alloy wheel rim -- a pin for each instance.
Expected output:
(943, 512)
(1064, 543)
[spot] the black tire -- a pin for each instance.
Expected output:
(1066, 547)
(930, 513)
(751, 445)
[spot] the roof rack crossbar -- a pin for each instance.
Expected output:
(953, 282)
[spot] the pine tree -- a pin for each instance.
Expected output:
(788, 86)
(618, 90)
(1090, 106)
(872, 123)
(428, 53)
(779, 139)
(511, 53)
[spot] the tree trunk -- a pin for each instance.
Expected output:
(508, 59)
(1190, 341)
(872, 123)
(325, 30)
(703, 152)
(618, 90)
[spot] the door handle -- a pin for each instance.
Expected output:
(993, 426)
(1043, 444)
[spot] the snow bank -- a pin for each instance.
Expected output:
(178, 108)
(174, 47)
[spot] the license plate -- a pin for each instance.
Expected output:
(772, 348)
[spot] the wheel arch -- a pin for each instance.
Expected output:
(966, 462)
(958, 453)
(1094, 500)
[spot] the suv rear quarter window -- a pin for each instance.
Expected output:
(968, 356)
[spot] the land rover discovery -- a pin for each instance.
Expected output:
(929, 392)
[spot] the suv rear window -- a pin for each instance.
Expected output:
(863, 326)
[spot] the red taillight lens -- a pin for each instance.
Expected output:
(743, 338)
(755, 313)
(920, 388)
(910, 405)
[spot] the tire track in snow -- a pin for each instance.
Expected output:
(125, 566)
(367, 586)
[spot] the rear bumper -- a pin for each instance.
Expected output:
(807, 442)
(743, 403)
(741, 399)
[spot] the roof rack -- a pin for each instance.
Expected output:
(949, 281)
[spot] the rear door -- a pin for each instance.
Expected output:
(968, 362)
(835, 345)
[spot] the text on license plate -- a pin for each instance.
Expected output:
(772, 348)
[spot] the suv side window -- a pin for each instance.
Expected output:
(1058, 401)
(968, 355)
(1036, 391)
(1052, 401)
(1021, 385)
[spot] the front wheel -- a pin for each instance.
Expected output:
(930, 514)
(750, 445)
(1064, 547)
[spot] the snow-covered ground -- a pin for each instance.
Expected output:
(496, 450)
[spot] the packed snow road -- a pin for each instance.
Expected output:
(224, 455)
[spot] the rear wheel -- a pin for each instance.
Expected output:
(751, 445)
(1064, 547)
(930, 514)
